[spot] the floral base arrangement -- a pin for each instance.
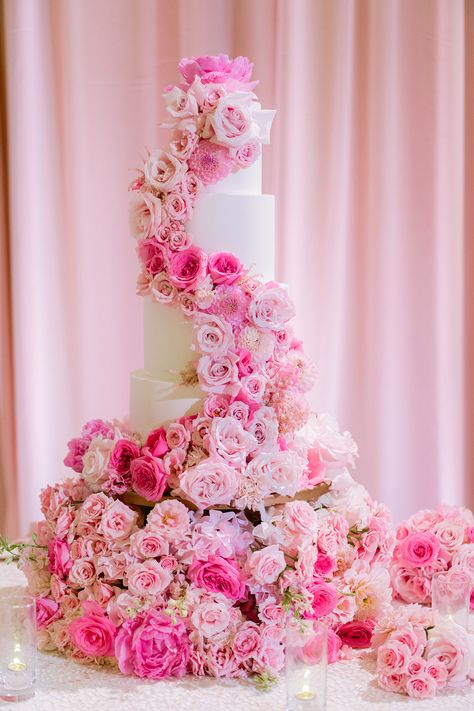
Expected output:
(170, 554)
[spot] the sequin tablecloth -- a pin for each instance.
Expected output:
(66, 686)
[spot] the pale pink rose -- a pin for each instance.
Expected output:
(152, 255)
(93, 633)
(179, 240)
(209, 483)
(304, 566)
(96, 461)
(118, 521)
(266, 565)
(187, 303)
(229, 440)
(221, 662)
(187, 267)
(180, 104)
(183, 143)
(393, 658)
(148, 544)
(218, 69)
(422, 686)
(173, 463)
(149, 478)
(64, 522)
(324, 599)
(264, 427)
(247, 643)
(112, 567)
(247, 154)
(336, 449)
(270, 612)
(463, 558)
(153, 646)
(144, 281)
(419, 549)
(212, 335)
(148, 578)
(271, 307)
(145, 215)
(470, 534)
(218, 575)
(47, 611)
(452, 646)
(163, 171)
(192, 186)
(225, 268)
(59, 557)
(211, 618)
(93, 507)
(57, 585)
(393, 682)
(300, 519)
(219, 374)
(177, 436)
(450, 534)
(438, 671)
(82, 573)
(254, 385)
(231, 123)
(161, 289)
(210, 162)
(239, 410)
(413, 636)
(177, 206)
(102, 593)
(169, 519)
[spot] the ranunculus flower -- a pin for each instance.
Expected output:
(163, 171)
(271, 307)
(210, 162)
(266, 565)
(151, 645)
(148, 578)
(149, 477)
(218, 69)
(145, 215)
(419, 549)
(218, 575)
(152, 255)
(324, 599)
(356, 634)
(209, 483)
(225, 267)
(93, 633)
(187, 267)
(47, 611)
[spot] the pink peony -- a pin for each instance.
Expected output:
(266, 565)
(149, 477)
(145, 215)
(225, 268)
(218, 575)
(187, 267)
(209, 483)
(151, 645)
(93, 633)
(47, 611)
(356, 634)
(210, 162)
(148, 578)
(218, 69)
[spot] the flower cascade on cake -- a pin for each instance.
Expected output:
(248, 511)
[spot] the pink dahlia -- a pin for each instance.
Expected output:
(210, 162)
(230, 303)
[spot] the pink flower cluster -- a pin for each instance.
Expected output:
(431, 541)
(419, 659)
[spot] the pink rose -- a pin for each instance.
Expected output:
(152, 255)
(93, 507)
(151, 645)
(96, 462)
(410, 585)
(219, 69)
(47, 611)
(225, 268)
(210, 162)
(118, 521)
(156, 442)
(247, 154)
(266, 565)
(59, 557)
(145, 215)
(393, 682)
(264, 427)
(209, 483)
(216, 405)
(356, 634)
(450, 534)
(218, 575)
(162, 290)
(438, 671)
(470, 534)
(219, 374)
(187, 267)
(169, 519)
(393, 658)
(419, 549)
(212, 335)
(183, 143)
(82, 573)
(180, 104)
(231, 123)
(163, 171)
(229, 441)
(93, 633)
(422, 686)
(148, 544)
(334, 646)
(324, 599)
(123, 453)
(300, 519)
(451, 646)
(149, 477)
(211, 618)
(247, 643)
(178, 206)
(271, 307)
(177, 436)
(413, 636)
(324, 565)
(148, 578)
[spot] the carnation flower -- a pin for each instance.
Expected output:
(210, 162)
(259, 343)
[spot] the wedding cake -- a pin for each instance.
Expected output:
(189, 533)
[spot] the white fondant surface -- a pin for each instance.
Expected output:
(247, 181)
(154, 402)
(167, 340)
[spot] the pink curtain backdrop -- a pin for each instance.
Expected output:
(370, 167)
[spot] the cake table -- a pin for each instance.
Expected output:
(65, 686)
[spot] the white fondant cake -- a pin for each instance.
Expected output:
(230, 216)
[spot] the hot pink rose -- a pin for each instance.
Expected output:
(218, 575)
(151, 645)
(266, 565)
(93, 633)
(59, 557)
(118, 521)
(356, 634)
(225, 268)
(419, 549)
(324, 565)
(145, 215)
(148, 477)
(47, 611)
(156, 442)
(152, 255)
(218, 69)
(148, 578)
(209, 483)
(187, 267)
(123, 453)
(324, 599)
(77, 448)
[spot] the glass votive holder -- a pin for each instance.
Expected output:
(17, 645)
(306, 665)
(450, 597)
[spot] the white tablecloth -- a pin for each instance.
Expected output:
(66, 686)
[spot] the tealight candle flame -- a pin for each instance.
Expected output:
(17, 665)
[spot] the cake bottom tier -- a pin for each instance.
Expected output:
(155, 402)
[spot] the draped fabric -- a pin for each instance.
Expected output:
(371, 162)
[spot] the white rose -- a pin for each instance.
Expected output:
(231, 123)
(96, 460)
(336, 449)
(180, 104)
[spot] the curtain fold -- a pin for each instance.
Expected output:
(371, 164)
